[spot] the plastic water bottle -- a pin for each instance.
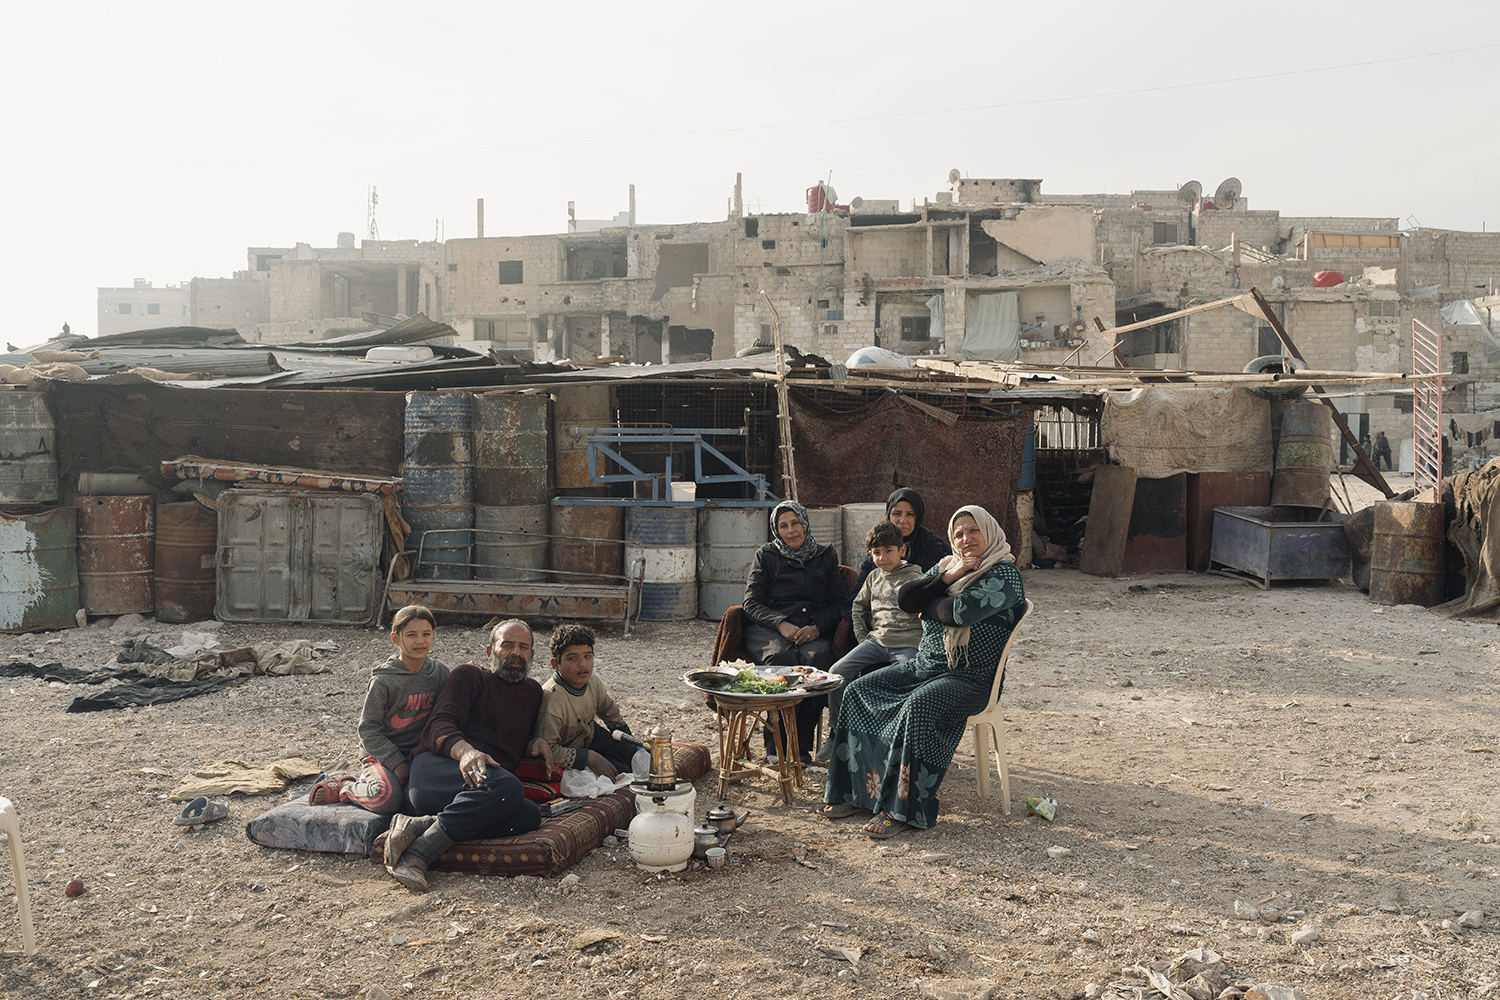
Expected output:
(640, 764)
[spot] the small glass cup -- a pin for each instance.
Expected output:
(714, 857)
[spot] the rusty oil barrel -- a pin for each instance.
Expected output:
(510, 449)
(39, 585)
(579, 409)
(1406, 556)
(187, 538)
(587, 542)
(116, 554)
(1304, 456)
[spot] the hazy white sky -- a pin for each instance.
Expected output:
(159, 140)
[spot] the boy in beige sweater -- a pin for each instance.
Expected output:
(572, 699)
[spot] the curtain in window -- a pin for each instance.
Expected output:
(992, 327)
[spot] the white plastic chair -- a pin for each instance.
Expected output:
(994, 719)
(12, 829)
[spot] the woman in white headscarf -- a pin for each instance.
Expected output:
(898, 727)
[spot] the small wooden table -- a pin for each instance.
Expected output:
(739, 717)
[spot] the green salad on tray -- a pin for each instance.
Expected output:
(745, 682)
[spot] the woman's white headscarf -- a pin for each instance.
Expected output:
(997, 549)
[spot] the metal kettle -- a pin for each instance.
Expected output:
(725, 820)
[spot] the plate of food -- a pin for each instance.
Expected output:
(749, 680)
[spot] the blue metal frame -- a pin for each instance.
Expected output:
(665, 435)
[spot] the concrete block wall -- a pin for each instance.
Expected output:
(295, 288)
(237, 303)
(1324, 332)
(797, 240)
(1257, 229)
(1220, 340)
(1456, 262)
(472, 267)
(893, 253)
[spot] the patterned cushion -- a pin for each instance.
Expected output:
(299, 826)
(562, 841)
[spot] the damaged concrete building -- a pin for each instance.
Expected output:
(987, 269)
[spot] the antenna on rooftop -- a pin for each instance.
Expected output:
(1228, 194)
(953, 176)
(372, 200)
(1188, 194)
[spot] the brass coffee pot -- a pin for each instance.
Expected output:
(663, 776)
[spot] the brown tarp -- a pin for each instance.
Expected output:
(114, 427)
(1473, 509)
(861, 455)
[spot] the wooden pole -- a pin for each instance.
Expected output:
(788, 468)
(1363, 467)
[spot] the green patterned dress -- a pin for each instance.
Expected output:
(899, 726)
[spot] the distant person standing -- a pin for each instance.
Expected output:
(1382, 450)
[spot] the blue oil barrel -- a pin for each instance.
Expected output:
(667, 539)
(443, 537)
(1028, 462)
(438, 469)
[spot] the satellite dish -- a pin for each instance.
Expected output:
(953, 176)
(1189, 193)
(1228, 194)
(856, 202)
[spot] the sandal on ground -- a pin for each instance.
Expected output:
(200, 811)
(840, 810)
(412, 874)
(329, 791)
(883, 827)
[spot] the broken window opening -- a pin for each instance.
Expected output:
(768, 244)
(916, 327)
(1266, 342)
(512, 272)
(752, 228)
(1164, 233)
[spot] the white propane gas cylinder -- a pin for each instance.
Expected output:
(661, 841)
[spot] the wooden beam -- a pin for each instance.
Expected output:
(1168, 317)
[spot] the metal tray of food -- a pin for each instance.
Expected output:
(799, 680)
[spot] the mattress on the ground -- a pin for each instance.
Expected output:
(296, 825)
(562, 841)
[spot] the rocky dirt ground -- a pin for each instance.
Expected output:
(1213, 748)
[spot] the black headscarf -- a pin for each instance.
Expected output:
(912, 497)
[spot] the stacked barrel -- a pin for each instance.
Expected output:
(586, 547)
(438, 486)
(511, 508)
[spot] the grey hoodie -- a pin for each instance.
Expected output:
(396, 709)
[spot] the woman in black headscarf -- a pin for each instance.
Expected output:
(924, 547)
(794, 599)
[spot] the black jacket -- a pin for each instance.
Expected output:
(811, 593)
